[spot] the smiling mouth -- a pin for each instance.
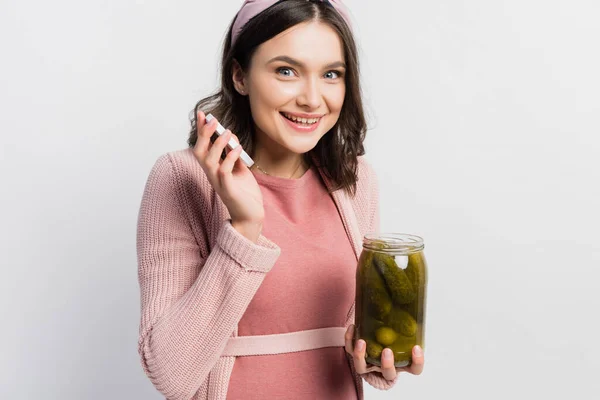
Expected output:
(301, 121)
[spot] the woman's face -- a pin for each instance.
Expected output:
(296, 87)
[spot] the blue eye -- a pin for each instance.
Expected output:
(336, 74)
(282, 71)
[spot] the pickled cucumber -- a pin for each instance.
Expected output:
(374, 349)
(375, 294)
(412, 308)
(402, 322)
(400, 287)
(385, 335)
(416, 273)
(415, 270)
(372, 324)
(378, 301)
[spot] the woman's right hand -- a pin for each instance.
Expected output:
(230, 178)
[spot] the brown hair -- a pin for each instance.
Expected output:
(337, 152)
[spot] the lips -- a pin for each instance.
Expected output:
(302, 120)
(299, 125)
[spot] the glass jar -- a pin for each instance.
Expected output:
(391, 290)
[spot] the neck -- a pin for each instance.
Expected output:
(283, 165)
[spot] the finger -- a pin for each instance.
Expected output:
(216, 149)
(239, 165)
(348, 339)
(200, 122)
(227, 164)
(388, 370)
(418, 361)
(360, 364)
(204, 133)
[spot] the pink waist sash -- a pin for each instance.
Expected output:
(285, 342)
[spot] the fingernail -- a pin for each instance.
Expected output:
(387, 354)
(360, 345)
(418, 351)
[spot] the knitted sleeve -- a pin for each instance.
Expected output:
(190, 305)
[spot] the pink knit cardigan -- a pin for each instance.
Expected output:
(197, 275)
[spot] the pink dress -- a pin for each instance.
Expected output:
(311, 286)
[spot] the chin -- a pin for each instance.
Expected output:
(300, 145)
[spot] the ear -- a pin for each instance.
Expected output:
(239, 78)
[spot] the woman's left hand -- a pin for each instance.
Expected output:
(387, 368)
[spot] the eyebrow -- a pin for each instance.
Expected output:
(297, 63)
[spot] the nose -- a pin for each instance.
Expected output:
(310, 96)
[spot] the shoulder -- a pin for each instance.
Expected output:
(365, 167)
(178, 173)
(365, 202)
(179, 167)
(368, 183)
(178, 162)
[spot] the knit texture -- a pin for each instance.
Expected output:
(197, 275)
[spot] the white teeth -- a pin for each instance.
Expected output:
(302, 120)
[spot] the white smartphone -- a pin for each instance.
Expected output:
(232, 143)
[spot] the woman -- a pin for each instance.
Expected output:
(247, 275)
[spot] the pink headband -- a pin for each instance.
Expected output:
(251, 8)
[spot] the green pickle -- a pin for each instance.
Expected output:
(385, 335)
(398, 284)
(372, 324)
(376, 295)
(416, 273)
(415, 270)
(402, 322)
(374, 349)
(390, 303)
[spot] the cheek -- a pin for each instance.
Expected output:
(287, 91)
(335, 98)
(273, 93)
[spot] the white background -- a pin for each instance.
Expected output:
(484, 120)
